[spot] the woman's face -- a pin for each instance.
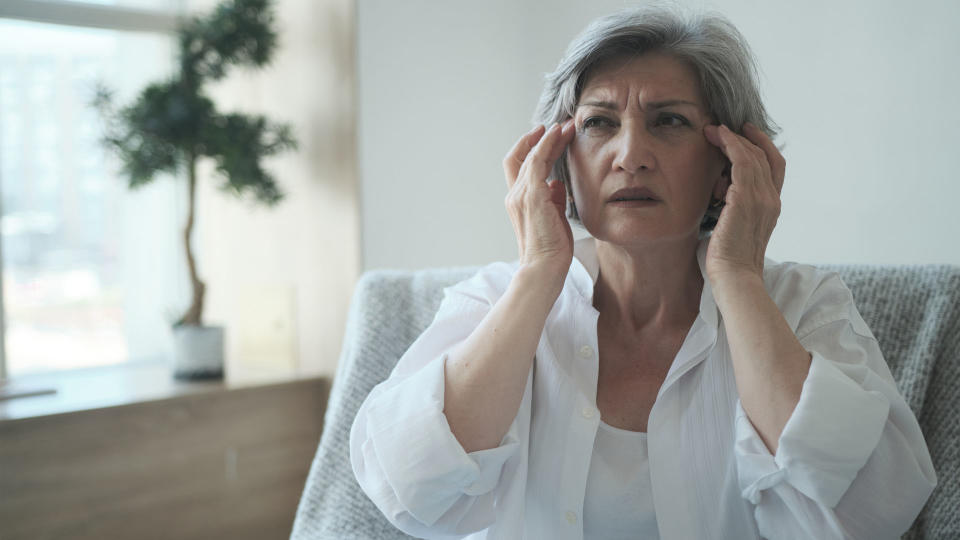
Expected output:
(639, 124)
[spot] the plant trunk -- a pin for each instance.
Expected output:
(194, 315)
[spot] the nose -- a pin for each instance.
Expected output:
(633, 148)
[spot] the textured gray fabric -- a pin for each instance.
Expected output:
(388, 312)
(912, 310)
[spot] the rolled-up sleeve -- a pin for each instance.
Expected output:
(403, 453)
(851, 461)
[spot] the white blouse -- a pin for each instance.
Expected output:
(851, 461)
(618, 504)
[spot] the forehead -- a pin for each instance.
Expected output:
(649, 77)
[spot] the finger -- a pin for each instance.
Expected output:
(751, 149)
(778, 165)
(539, 162)
(740, 151)
(556, 146)
(567, 132)
(514, 158)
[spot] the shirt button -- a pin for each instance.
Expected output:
(586, 351)
(571, 517)
(587, 412)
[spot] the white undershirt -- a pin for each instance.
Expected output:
(619, 502)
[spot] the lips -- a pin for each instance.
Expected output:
(633, 194)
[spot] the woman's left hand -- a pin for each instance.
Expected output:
(740, 237)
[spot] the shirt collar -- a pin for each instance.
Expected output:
(585, 269)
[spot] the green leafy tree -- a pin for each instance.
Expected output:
(172, 124)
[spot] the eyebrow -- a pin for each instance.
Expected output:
(654, 104)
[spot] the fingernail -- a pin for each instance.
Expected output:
(535, 129)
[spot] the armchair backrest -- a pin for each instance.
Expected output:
(914, 311)
(389, 310)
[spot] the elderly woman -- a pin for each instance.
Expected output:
(660, 378)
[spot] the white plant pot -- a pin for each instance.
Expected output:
(198, 352)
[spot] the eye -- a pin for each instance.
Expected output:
(597, 122)
(672, 120)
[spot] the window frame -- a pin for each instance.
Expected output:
(92, 15)
(87, 15)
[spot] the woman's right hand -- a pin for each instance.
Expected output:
(537, 208)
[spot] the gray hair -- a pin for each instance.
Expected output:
(708, 42)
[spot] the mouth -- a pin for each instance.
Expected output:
(633, 195)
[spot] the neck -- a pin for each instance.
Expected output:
(649, 287)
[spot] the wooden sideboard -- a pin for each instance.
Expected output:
(218, 463)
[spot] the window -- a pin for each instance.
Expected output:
(91, 270)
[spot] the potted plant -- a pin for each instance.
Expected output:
(172, 124)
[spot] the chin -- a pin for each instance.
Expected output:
(640, 233)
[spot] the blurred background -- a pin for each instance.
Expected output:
(403, 112)
(94, 273)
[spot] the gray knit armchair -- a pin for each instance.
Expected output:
(914, 311)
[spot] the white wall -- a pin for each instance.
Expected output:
(280, 279)
(864, 91)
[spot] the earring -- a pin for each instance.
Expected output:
(569, 198)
